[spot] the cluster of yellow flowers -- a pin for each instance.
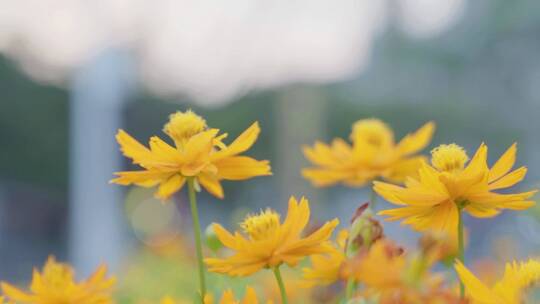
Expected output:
(359, 265)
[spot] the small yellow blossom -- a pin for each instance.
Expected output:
(56, 285)
(508, 290)
(228, 298)
(198, 153)
(450, 184)
(269, 242)
(372, 155)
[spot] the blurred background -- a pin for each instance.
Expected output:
(72, 72)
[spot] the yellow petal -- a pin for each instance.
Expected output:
(140, 155)
(250, 297)
(325, 177)
(405, 168)
(140, 178)
(509, 179)
(16, 294)
(241, 167)
(241, 144)
(170, 186)
(477, 290)
(227, 298)
(211, 184)
(504, 164)
(418, 140)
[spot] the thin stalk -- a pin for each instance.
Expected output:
(279, 280)
(372, 199)
(349, 290)
(461, 251)
(197, 234)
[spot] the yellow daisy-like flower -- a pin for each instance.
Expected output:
(508, 290)
(198, 153)
(434, 199)
(228, 298)
(372, 155)
(56, 285)
(269, 242)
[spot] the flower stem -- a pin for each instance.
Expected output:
(279, 280)
(461, 250)
(197, 234)
(372, 199)
(349, 290)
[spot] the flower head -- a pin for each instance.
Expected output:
(452, 183)
(228, 298)
(508, 290)
(198, 153)
(183, 125)
(267, 243)
(56, 285)
(373, 154)
(392, 276)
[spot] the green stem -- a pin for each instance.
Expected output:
(372, 199)
(461, 250)
(279, 280)
(349, 290)
(197, 234)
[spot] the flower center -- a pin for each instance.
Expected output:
(449, 158)
(373, 132)
(183, 125)
(261, 226)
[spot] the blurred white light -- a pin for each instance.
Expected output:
(425, 18)
(211, 51)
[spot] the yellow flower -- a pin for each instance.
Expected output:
(325, 268)
(198, 152)
(381, 268)
(373, 154)
(509, 290)
(228, 298)
(433, 200)
(269, 242)
(56, 285)
(391, 276)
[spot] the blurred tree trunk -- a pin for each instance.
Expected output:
(301, 119)
(99, 91)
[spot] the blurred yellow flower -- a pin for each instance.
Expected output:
(434, 199)
(372, 155)
(391, 276)
(381, 268)
(325, 268)
(198, 152)
(508, 290)
(228, 298)
(270, 243)
(56, 285)
(169, 300)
